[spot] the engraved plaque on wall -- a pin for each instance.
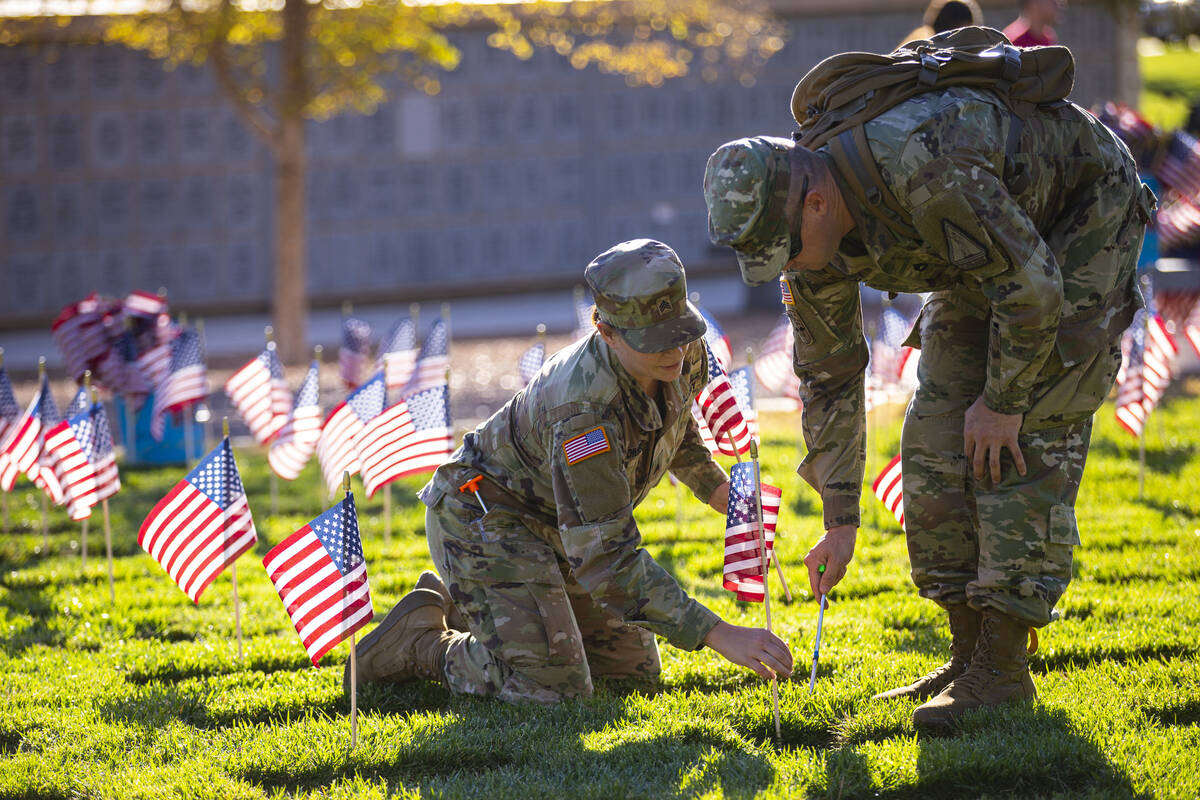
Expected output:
(199, 273)
(239, 141)
(109, 140)
(16, 74)
(18, 143)
(241, 207)
(418, 125)
(112, 269)
(457, 190)
(67, 207)
(158, 267)
(63, 73)
(456, 122)
(248, 270)
(152, 137)
(196, 135)
(379, 130)
(111, 209)
(157, 201)
(66, 148)
(26, 283)
(383, 260)
(457, 254)
(22, 211)
(198, 211)
(383, 196)
(419, 256)
(106, 70)
(150, 75)
(344, 191)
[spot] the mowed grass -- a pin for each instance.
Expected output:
(146, 698)
(1170, 84)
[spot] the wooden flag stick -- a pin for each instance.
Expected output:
(45, 499)
(353, 659)
(1142, 433)
(112, 595)
(83, 543)
(387, 514)
(3, 495)
(678, 508)
(237, 604)
(762, 552)
(414, 311)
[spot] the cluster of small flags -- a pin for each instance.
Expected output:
(1148, 362)
(204, 523)
(1173, 158)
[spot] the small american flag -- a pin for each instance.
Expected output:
(433, 362)
(23, 440)
(9, 410)
(98, 447)
(743, 571)
(80, 335)
(1149, 351)
(531, 362)
(321, 577)
(144, 304)
(719, 407)
(1179, 167)
(716, 339)
(352, 356)
(260, 394)
(889, 488)
(202, 525)
(42, 471)
(74, 471)
(785, 291)
(185, 384)
(431, 440)
(1177, 221)
(773, 367)
(1191, 327)
(335, 447)
(80, 402)
(381, 447)
(296, 441)
(398, 354)
(889, 355)
(586, 445)
(742, 381)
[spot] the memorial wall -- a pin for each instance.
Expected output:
(118, 174)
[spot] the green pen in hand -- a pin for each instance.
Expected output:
(812, 680)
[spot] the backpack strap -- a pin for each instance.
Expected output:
(852, 154)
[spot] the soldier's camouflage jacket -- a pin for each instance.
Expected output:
(583, 506)
(1028, 259)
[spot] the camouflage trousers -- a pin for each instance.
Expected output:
(1006, 545)
(536, 635)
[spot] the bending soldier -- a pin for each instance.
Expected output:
(546, 582)
(1030, 257)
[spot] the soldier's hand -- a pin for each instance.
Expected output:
(985, 434)
(835, 550)
(719, 499)
(756, 648)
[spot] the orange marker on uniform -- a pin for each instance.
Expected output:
(473, 486)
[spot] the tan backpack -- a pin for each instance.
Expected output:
(837, 96)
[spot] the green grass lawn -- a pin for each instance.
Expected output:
(1170, 85)
(146, 698)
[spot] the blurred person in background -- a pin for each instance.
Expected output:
(1034, 26)
(945, 15)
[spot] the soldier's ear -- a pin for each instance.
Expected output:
(607, 332)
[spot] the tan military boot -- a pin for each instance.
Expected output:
(455, 621)
(999, 673)
(410, 643)
(964, 630)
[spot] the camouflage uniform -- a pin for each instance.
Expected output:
(1032, 288)
(553, 579)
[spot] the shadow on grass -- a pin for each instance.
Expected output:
(33, 602)
(1182, 714)
(1021, 750)
(1160, 457)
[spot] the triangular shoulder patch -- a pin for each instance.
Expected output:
(962, 249)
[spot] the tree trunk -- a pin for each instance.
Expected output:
(290, 311)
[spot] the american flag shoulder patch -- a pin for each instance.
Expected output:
(586, 445)
(785, 290)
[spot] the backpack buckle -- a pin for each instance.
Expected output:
(929, 69)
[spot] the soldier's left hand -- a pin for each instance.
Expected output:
(719, 499)
(985, 434)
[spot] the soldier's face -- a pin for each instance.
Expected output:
(645, 368)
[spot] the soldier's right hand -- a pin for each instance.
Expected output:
(835, 550)
(756, 648)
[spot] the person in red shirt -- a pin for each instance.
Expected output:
(1032, 28)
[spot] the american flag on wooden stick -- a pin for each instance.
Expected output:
(145, 304)
(381, 447)
(530, 362)
(1179, 165)
(184, 385)
(296, 441)
(71, 446)
(23, 440)
(1149, 350)
(398, 354)
(889, 488)
(10, 412)
(431, 440)
(80, 335)
(743, 571)
(260, 394)
(352, 355)
(202, 525)
(720, 410)
(321, 577)
(42, 471)
(335, 448)
(773, 367)
(433, 362)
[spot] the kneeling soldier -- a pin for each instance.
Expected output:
(546, 582)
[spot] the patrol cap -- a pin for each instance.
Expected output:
(640, 289)
(746, 189)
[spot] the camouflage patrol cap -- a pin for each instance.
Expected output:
(640, 289)
(746, 188)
